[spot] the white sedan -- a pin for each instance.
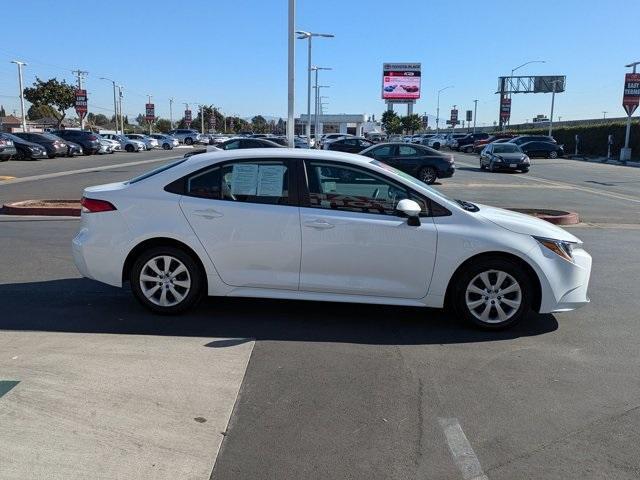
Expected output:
(327, 226)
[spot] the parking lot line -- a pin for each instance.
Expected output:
(460, 448)
(82, 170)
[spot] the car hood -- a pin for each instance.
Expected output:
(511, 156)
(524, 224)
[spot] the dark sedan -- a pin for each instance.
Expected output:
(73, 149)
(542, 149)
(348, 144)
(423, 163)
(89, 141)
(55, 146)
(504, 156)
(237, 143)
(25, 150)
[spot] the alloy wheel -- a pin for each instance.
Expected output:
(427, 175)
(493, 296)
(165, 281)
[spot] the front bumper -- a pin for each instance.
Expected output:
(448, 172)
(507, 165)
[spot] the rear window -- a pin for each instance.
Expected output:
(155, 171)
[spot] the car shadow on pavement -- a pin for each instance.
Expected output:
(84, 306)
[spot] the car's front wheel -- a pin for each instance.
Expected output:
(553, 154)
(493, 293)
(166, 146)
(166, 280)
(129, 148)
(188, 141)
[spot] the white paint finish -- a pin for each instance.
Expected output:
(366, 254)
(116, 406)
(461, 450)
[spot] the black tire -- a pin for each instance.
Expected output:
(525, 170)
(492, 169)
(436, 146)
(193, 274)
(166, 146)
(188, 141)
(482, 165)
(553, 154)
(460, 296)
(129, 148)
(428, 175)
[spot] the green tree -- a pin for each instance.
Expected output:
(394, 125)
(411, 123)
(37, 112)
(259, 124)
(2, 112)
(281, 126)
(59, 95)
(388, 117)
(163, 125)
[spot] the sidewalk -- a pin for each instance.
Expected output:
(612, 161)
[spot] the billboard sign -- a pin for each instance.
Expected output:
(150, 112)
(545, 83)
(454, 116)
(187, 117)
(505, 109)
(631, 95)
(401, 81)
(469, 115)
(81, 103)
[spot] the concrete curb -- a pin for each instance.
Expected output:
(557, 217)
(26, 207)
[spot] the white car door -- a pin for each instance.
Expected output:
(246, 217)
(353, 241)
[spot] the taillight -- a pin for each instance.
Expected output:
(92, 205)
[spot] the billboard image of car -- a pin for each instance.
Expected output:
(401, 81)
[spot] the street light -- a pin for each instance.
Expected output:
(302, 35)
(317, 93)
(517, 68)
(291, 73)
(115, 102)
(438, 108)
(24, 118)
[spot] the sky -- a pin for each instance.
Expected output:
(233, 54)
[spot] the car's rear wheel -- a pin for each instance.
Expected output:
(166, 280)
(553, 154)
(188, 141)
(493, 293)
(129, 148)
(436, 146)
(428, 175)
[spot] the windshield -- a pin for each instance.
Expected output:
(409, 178)
(506, 148)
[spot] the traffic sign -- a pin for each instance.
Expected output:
(150, 112)
(81, 103)
(187, 117)
(631, 95)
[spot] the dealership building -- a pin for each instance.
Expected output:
(335, 123)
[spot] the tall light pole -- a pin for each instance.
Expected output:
(120, 87)
(438, 108)
(115, 102)
(553, 98)
(302, 35)
(171, 113)
(291, 80)
(316, 107)
(475, 111)
(625, 153)
(21, 86)
(202, 119)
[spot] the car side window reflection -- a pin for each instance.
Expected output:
(341, 187)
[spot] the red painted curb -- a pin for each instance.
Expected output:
(557, 217)
(24, 208)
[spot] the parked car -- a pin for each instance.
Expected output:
(25, 150)
(7, 149)
(330, 137)
(167, 142)
(376, 137)
(542, 149)
(504, 156)
(437, 141)
(245, 142)
(127, 144)
(106, 147)
(149, 142)
(54, 145)
(115, 145)
(416, 138)
(478, 145)
(73, 148)
(282, 141)
(89, 141)
(424, 163)
(348, 144)
(465, 144)
(267, 223)
(452, 140)
(519, 140)
(187, 136)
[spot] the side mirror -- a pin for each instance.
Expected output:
(410, 209)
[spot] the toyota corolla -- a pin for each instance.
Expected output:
(324, 226)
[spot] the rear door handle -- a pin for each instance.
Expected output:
(319, 224)
(208, 213)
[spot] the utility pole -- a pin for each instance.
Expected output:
(80, 74)
(553, 98)
(171, 113)
(438, 108)
(475, 111)
(115, 102)
(202, 119)
(604, 115)
(24, 118)
(120, 87)
(291, 82)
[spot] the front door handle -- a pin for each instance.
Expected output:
(319, 224)
(208, 213)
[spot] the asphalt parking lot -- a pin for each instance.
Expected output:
(91, 385)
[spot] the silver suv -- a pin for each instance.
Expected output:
(186, 135)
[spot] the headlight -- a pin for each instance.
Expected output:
(559, 247)
(525, 159)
